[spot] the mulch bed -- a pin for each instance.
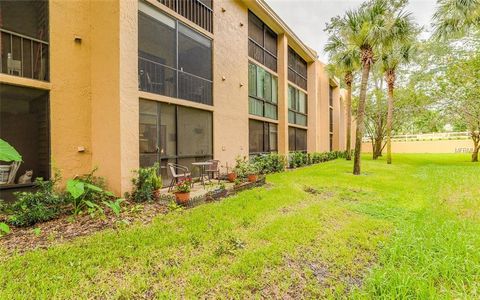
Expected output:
(67, 228)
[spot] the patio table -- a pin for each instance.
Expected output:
(201, 165)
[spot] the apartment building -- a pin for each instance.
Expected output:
(120, 84)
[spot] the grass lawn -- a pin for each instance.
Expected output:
(409, 230)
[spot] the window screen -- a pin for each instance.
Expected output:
(262, 44)
(263, 92)
(297, 106)
(297, 139)
(263, 137)
(297, 69)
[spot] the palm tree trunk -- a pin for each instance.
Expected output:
(360, 117)
(476, 146)
(391, 81)
(349, 121)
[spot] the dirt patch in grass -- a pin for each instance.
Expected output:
(65, 228)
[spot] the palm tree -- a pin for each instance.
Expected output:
(391, 58)
(455, 17)
(365, 29)
(344, 61)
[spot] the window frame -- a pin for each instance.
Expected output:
(266, 142)
(179, 72)
(273, 93)
(294, 140)
(294, 71)
(294, 110)
(265, 30)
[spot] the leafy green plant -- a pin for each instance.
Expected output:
(40, 206)
(8, 153)
(84, 194)
(37, 231)
(145, 183)
(244, 167)
(115, 206)
(4, 229)
(270, 163)
(184, 186)
(298, 159)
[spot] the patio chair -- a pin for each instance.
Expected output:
(178, 172)
(213, 169)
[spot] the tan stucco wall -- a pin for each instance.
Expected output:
(440, 146)
(230, 71)
(322, 108)
(70, 105)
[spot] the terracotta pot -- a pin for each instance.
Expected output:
(156, 194)
(231, 177)
(182, 198)
(252, 178)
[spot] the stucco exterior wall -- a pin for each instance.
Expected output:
(322, 109)
(440, 146)
(230, 78)
(70, 102)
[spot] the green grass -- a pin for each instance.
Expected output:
(410, 230)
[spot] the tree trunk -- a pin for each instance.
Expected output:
(390, 77)
(366, 62)
(349, 119)
(476, 146)
(377, 150)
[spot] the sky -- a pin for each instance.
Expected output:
(307, 18)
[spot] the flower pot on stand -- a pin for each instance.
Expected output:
(182, 198)
(231, 177)
(252, 177)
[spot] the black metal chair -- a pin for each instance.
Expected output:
(178, 172)
(213, 169)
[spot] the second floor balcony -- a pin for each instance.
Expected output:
(23, 56)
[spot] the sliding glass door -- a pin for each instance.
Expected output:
(176, 134)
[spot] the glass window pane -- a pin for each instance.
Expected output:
(194, 88)
(255, 136)
(148, 138)
(270, 111)
(255, 107)
(167, 131)
(194, 132)
(302, 102)
(273, 137)
(270, 62)
(260, 83)
(252, 80)
(270, 41)
(291, 97)
(267, 95)
(255, 28)
(291, 117)
(29, 18)
(301, 139)
(291, 139)
(300, 119)
(194, 53)
(274, 89)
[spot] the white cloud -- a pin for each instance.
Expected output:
(307, 18)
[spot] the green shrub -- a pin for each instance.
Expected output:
(40, 206)
(145, 183)
(270, 163)
(298, 159)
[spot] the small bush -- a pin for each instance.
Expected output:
(270, 163)
(298, 159)
(145, 183)
(244, 167)
(40, 206)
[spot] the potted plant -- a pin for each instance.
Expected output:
(251, 171)
(156, 181)
(182, 191)
(231, 175)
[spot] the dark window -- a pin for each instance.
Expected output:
(297, 139)
(24, 124)
(297, 69)
(331, 141)
(198, 11)
(176, 68)
(262, 92)
(263, 137)
(297, 106)
(24, 37)
(262, 42)
(177, 134)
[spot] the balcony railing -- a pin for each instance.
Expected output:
(23, 56)
(160, 79)
(198, 11)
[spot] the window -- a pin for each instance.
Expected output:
(297, 139)
(262, 92)
(176, 134)
(174, 60)
(198, 11)
(262, 42)
(24, 124)
(297, 106)
(330, 117)
(24, 36)
(297, 69)
(263, 137)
